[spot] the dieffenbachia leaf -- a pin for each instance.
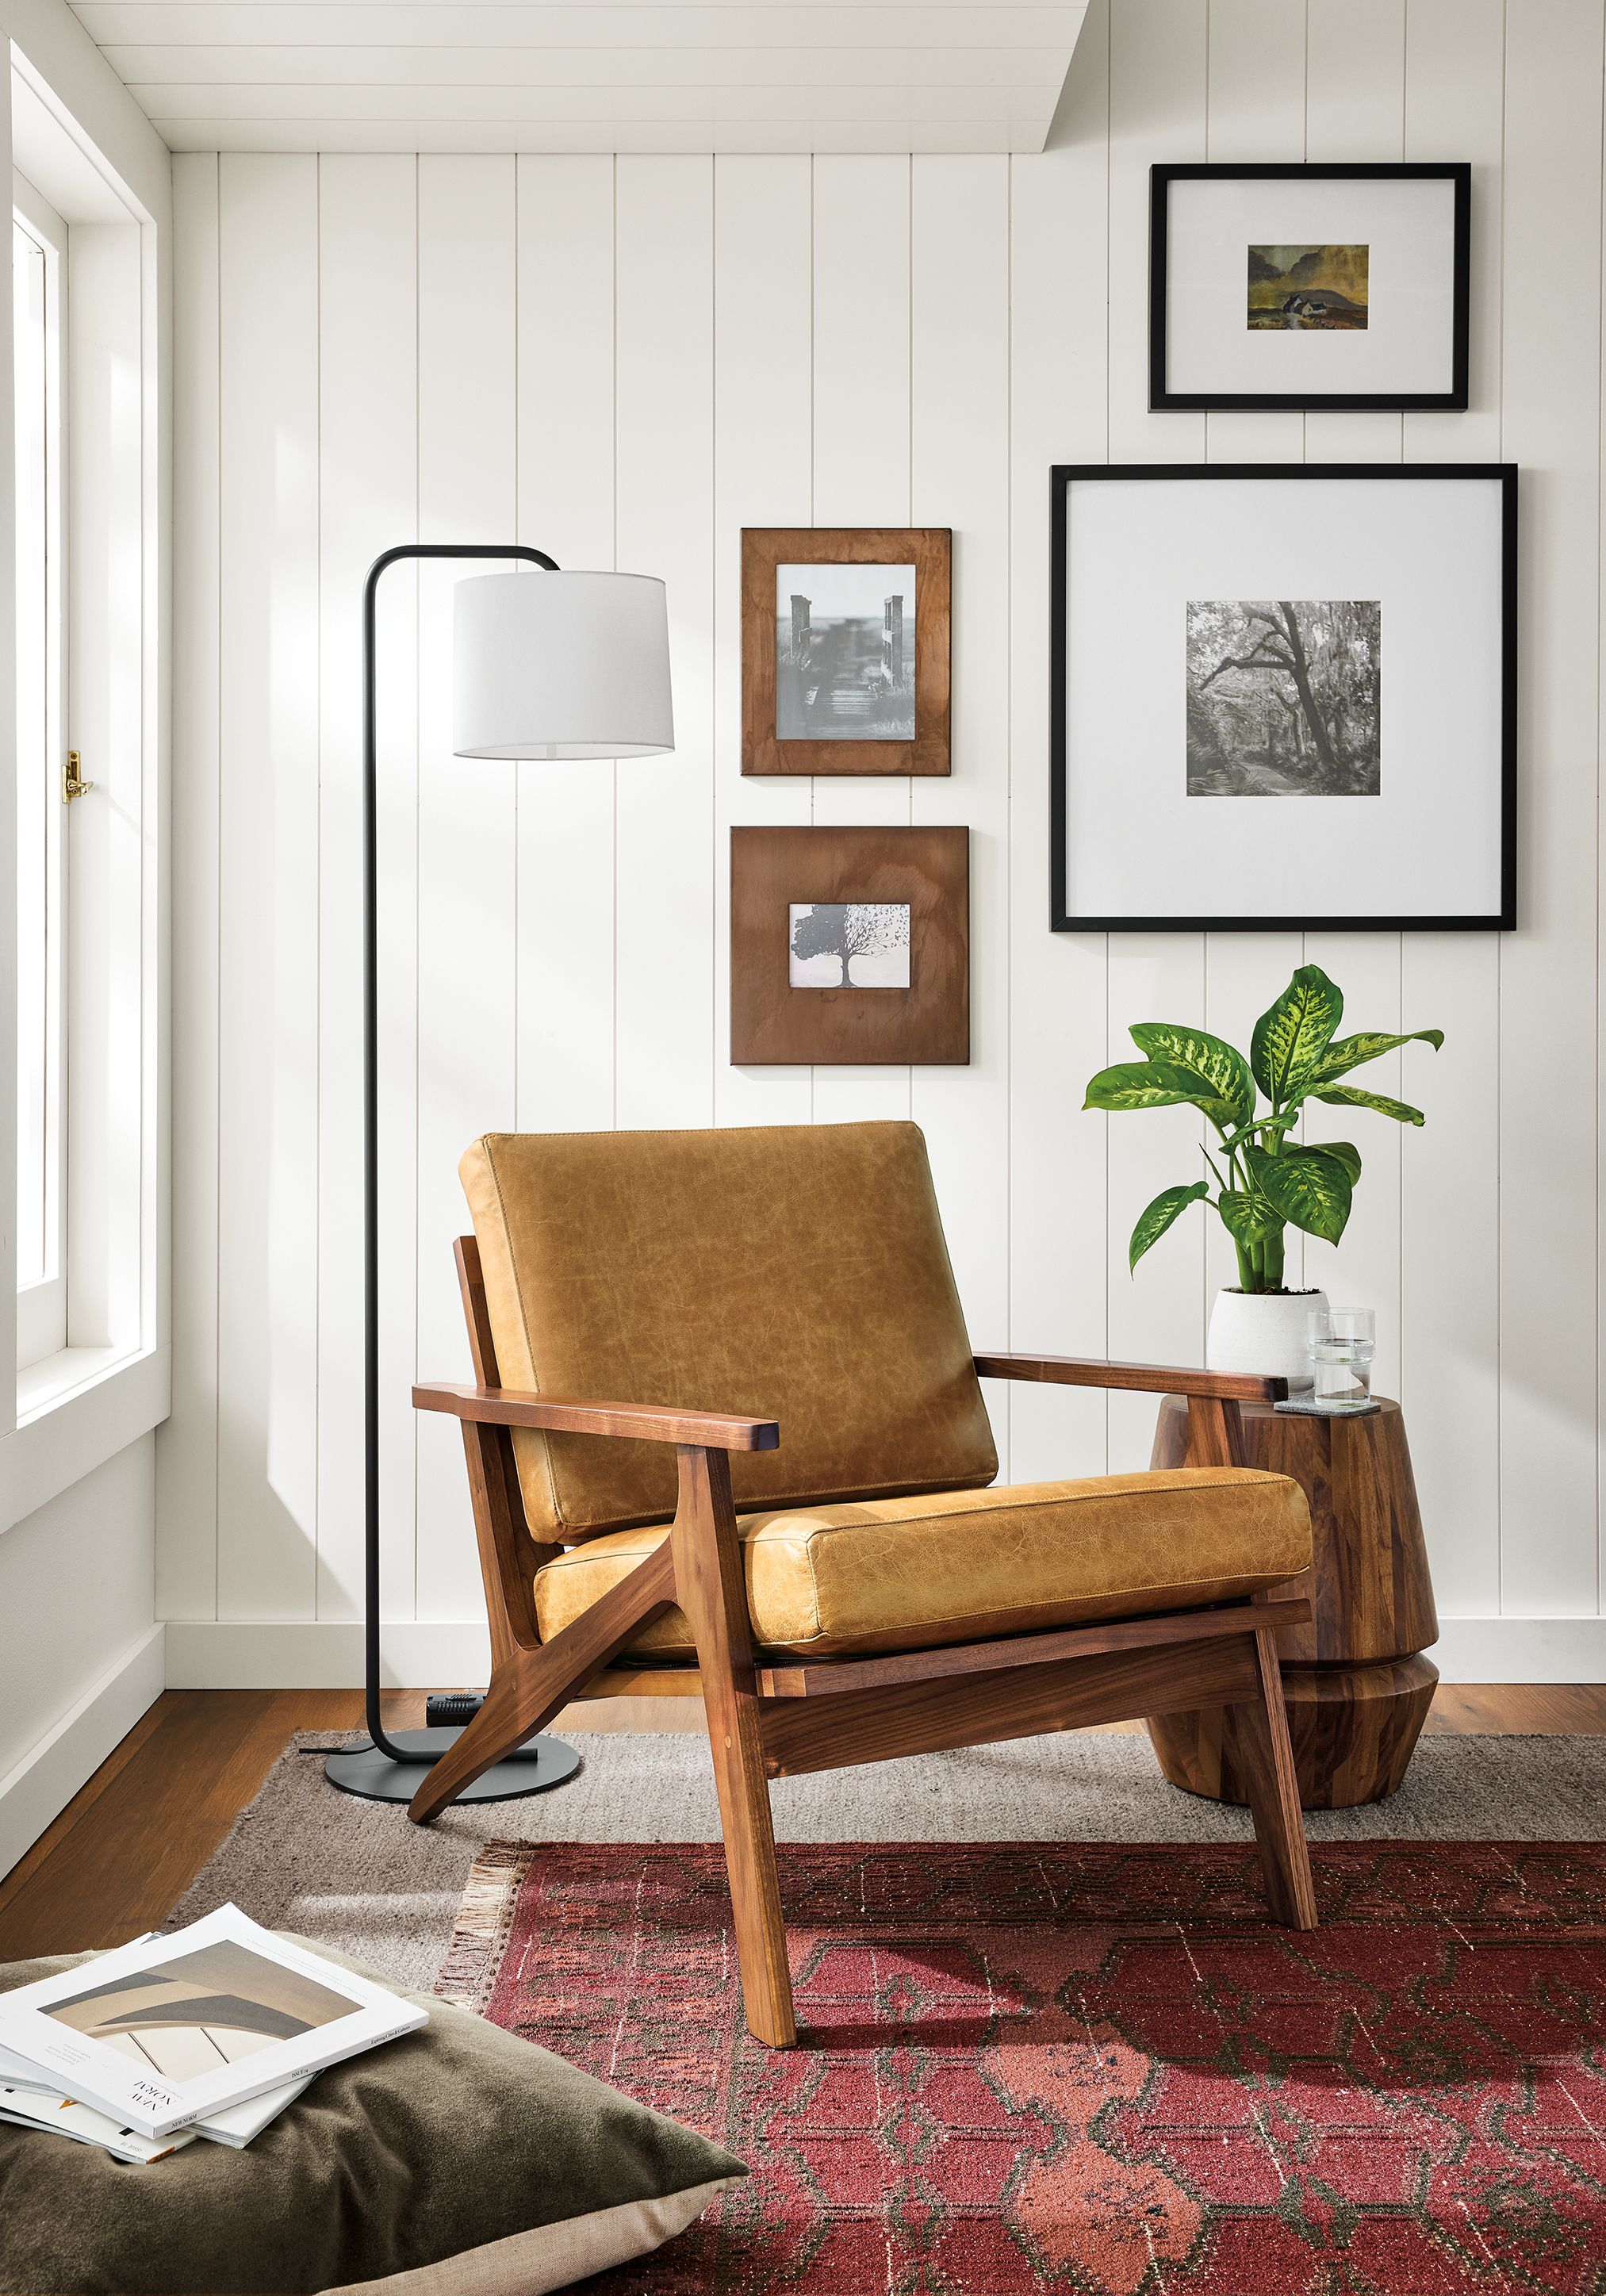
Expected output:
(1306, 1187)
(1342, 1153)
(1219, 1074)
(1290, 1039)
(1347, 1096)
(1137, 1084)
(1247, 1219)
(1350, 1052)
(1153, 1222)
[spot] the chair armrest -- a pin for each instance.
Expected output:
(1151, 1379)
(642, 1423)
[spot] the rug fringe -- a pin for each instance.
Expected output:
(468, 1974)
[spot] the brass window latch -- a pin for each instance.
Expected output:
(72, 784)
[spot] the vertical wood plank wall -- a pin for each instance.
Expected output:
(627, 360)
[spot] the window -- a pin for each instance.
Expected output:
(87, 1221)
(39, 303)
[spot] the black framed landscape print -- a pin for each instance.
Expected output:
(1309, 286)
(1284, 696)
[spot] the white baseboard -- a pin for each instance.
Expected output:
(228, 1655)
(1520, 1650)
(304, 1654)
(44, 1780)
(222, 1654)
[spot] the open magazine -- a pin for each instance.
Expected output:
(189, 2028)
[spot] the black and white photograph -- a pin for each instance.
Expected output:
(845, 653)
(1283, 697)
(849, 945)
(1341, 633)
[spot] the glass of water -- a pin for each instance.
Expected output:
(1342, 1344)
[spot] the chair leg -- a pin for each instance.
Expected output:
(1268, 1759)
(528, 1686)
(711, 1586)
(749, 1856)
(493, 1733)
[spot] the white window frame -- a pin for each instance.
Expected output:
(44, 934)
(75, 137)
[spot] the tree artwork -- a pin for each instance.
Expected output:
(1283, 697)
(844, 930)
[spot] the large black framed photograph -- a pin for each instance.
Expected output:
(1284, 697)
(1309, 286)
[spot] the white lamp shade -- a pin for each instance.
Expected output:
(561, 665)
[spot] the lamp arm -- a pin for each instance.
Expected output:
(370, 1549)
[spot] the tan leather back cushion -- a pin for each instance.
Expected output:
(796, 1272)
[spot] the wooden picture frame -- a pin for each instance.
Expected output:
(923, 872)
(1422, 282)
(1148, 836)
(767, 746)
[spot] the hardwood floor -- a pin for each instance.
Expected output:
(128, 1845)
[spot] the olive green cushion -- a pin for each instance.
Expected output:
(460, 2157)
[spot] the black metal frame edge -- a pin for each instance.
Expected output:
(1454, 401)
(1061, 475)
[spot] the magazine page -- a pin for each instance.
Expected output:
(16, 2072)
(59, 2116)
(176, 2028)
(237, 2123)
(234, 2124)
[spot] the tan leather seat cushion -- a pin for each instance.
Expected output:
(957, 1566)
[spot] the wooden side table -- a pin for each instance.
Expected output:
(1356, 1684)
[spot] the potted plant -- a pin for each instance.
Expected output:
(1263, 1179)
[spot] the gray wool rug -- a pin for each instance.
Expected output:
(358, 1876)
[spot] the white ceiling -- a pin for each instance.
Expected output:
(527, 75)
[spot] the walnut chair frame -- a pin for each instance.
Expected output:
(777, 1716)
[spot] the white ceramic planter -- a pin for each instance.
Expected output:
(1264, 1332)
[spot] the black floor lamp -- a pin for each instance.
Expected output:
(552, 666)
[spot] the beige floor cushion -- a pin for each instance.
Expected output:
(460, 2160)
(912, 1573)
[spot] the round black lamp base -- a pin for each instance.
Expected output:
(531, 1768)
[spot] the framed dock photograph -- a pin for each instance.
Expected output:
(845, 650)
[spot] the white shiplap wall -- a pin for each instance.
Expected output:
(626, 361)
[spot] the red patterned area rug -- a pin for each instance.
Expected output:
(1093, 2069)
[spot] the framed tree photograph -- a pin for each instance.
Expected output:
(1284, 696)
(845, 650)
(850, 945)
(1344, 285)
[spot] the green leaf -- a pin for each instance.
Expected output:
(1137, 1084)
(1342, 1153)
(1306, 1187)
(1347, 1096)
(1217, 1071)
(1350, 1052)
(1247, 1219)
(1290, 1039)
(1153, 1222)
